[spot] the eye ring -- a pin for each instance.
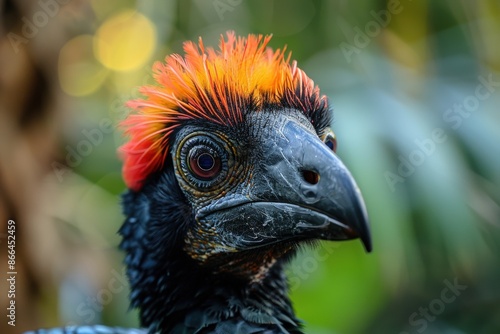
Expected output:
(203, 160)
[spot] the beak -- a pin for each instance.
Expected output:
(337, 196)
(300, 190)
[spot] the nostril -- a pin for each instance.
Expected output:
(310, 176)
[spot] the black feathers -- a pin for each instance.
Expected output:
(174, 293)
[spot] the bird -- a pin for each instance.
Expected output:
(231, 167)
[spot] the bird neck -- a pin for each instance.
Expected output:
(174, 293)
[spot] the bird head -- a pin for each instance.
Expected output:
(245, 137)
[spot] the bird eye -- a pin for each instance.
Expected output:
(204, 163)
(331, 142)
(203, 160)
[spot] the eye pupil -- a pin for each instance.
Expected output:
(206, 162)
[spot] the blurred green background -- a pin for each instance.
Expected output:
(415, 87)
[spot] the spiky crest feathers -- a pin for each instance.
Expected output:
(217, 85)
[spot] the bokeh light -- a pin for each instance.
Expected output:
(125, 41)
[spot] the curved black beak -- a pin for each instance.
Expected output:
(301, 190)
(337, 196)
(309, 174)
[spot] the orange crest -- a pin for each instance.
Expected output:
(218, 86)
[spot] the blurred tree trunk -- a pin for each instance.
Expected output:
(32, 112)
